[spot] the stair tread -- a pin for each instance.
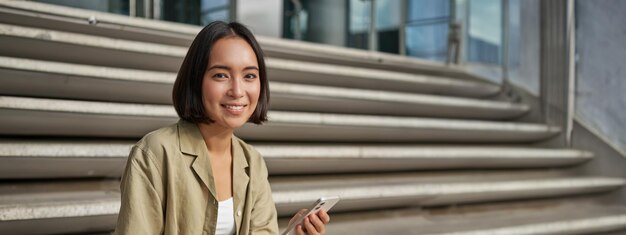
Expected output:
(318, 125)
(106, 158)
(120, 148)
(103, 195)
(50, 79)
(278, 69)
(346, 76)
(550, 218)
(361, 195)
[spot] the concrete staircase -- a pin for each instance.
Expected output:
(411, 146)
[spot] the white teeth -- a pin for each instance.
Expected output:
(234, 107)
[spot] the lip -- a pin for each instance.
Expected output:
(234, 108)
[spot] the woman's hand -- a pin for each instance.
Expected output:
(314, 224)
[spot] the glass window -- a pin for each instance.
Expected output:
(215, 15)
(359, 16)
(180, 11)
(459, 7)
(428, 41)
(388, 25)
(359, 23)
(210, 4)
(320, 21)
(387, 14)
(427, 9)
(212, 10)
(112, 6)
(140, 8)
(295, 20)
(426, 30)
(485, 31)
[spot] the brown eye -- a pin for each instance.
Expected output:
(220, 75)
(250, 76)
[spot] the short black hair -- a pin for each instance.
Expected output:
(187, 91)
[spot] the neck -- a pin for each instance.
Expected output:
(217, 140)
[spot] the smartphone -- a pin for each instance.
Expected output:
(323, 203)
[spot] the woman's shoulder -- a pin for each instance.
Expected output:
(160, 136)
(159, 139)
(150, 152)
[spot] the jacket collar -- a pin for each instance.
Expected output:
(192, 143)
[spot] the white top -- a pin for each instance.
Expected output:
(225, 218)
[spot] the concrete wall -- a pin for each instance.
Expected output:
(607, 161)
(262, 17)
(601, 73)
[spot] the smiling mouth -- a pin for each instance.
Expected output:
(234, 107)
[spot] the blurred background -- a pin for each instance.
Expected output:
(425, 116)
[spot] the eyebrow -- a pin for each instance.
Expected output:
(219, 66)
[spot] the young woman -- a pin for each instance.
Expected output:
(195, 176)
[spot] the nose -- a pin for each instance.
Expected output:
(236, 88)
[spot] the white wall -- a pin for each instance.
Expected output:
(601, 69)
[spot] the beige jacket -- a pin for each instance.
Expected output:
(168, 187)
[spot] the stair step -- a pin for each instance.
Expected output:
(69, 19)
(67, 159)
(54, 205)
(123, 27)
(319, 53)
(343, 127)
(375, 79)
(60, 46)
(38, 78)
(36, 116)
(26, 77)
(92, 201)
(315, 159)
(42, 44)
(48, 210)
(528, 219)
(62, 159)
(62, 18)
(398, 190)
(296, 97)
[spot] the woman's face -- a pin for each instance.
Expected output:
(231, 83)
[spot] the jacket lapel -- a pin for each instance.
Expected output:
(240, 179)
(192, 143)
